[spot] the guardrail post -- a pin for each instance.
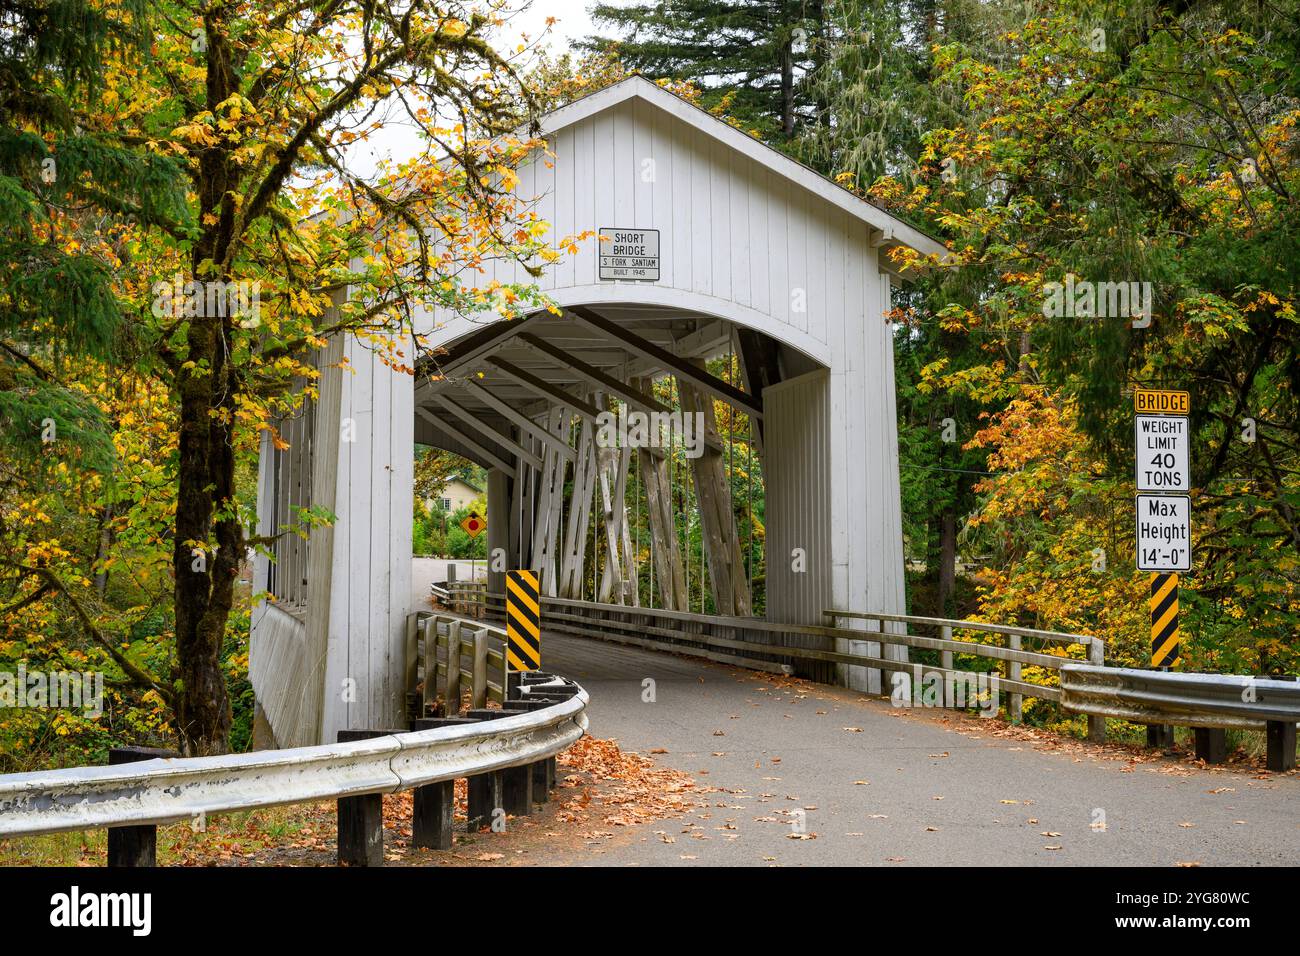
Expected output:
(1280, 735)
(540, 774)
(1211, 744)
(1160, 736)
(135, 845)
(410, 673)
(1097, 725)
(486, 795)
(1015, 702)
(433, 804)
(945, 661)
(479, 680)
(430, 689)
(361, 819)
(453, 669)
(543, 770)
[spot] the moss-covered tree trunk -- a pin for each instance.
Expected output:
(209, 539)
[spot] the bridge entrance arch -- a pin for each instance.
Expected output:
(707, 243)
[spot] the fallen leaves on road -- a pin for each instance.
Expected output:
(625, 786)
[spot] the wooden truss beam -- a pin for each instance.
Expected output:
(717, 520)
(489, 338)
(449, 430)
(516, 417)
(579, 515)
(680, 367)
(633, 396)
(549, 505)
(473, 421)
(545, 389)
(703, 342)
(760, 364)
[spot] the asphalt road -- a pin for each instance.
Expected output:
(807, 774)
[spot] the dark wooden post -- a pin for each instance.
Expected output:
(137, 844)
(486, 790)
(1160, 736)
(361, 819)
(434, 804)
(1281, 745)
(544, 770)
(1211, 744)
(526, 785)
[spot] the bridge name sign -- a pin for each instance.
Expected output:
(629, 254)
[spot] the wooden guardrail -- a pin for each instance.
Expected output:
(468, 598)
(779, 648)
(447, 656)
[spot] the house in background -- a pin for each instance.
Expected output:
(457, 493)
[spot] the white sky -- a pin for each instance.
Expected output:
(397, 140)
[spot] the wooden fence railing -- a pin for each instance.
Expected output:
(447, 656)
(467, 598)
(775, 647)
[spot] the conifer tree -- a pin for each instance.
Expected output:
(753, 55)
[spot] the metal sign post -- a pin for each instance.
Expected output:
(1162, 473)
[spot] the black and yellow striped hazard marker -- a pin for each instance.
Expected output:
(523, 622)
(1165, 643)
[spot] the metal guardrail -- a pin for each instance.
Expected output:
(158, 791)
(1193, 700)
(188, 788)
(1207, 702)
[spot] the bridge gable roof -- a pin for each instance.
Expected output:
(893, 231)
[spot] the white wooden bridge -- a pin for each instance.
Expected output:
(757, 257)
